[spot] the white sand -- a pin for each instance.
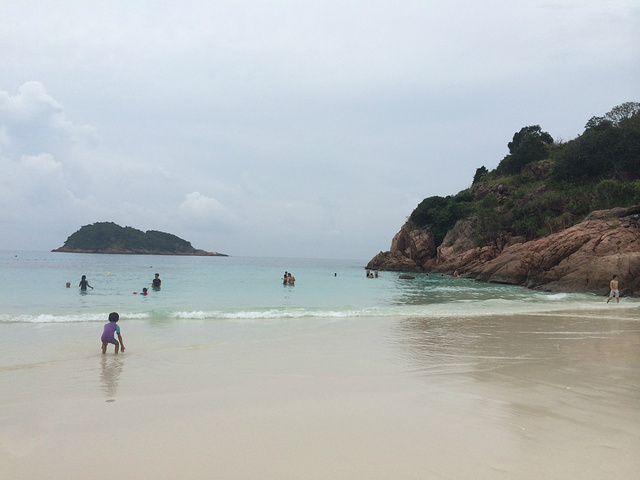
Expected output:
(531, 397)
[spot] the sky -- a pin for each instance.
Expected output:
(284, 128)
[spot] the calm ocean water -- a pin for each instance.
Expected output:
(246, 289)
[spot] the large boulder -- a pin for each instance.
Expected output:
(394, 262)
(458, 247)
(410, 249)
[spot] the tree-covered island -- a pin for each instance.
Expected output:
(108, 237)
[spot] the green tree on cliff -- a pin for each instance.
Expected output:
(599, 169)
(489, 225)
(480, 172)
(528, 145)
(609, 148)
(440, 214)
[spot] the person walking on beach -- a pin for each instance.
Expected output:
(156, 283)
(613, 286)
(84, 283)
(109, 334)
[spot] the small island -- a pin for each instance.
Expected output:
(110, 238)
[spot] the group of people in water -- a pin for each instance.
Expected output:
(156, 283)
(111, 329)
(288, 279)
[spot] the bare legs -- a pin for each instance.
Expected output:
(104, 348)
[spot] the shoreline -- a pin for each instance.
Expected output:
(529, 396)
(197, 253)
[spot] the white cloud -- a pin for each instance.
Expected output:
(201, 212)
(33, 123)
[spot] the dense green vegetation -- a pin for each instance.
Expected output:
(441, 214)
(109, 236)
(543, 186)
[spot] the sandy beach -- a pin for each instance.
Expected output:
(535, 396)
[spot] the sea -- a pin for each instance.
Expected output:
(249, 289)
(336, 376)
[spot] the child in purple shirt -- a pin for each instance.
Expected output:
(109, 334)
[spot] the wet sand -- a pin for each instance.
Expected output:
(529, 397)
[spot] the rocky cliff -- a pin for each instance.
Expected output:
(581, 258)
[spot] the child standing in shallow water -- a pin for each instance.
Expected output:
(109, 333)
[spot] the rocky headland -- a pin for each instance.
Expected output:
(555, 216)
(581, 258)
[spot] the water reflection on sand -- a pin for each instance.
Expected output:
(520, 346)
(558, 386)
(110, 370)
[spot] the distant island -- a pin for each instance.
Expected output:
(110, 238)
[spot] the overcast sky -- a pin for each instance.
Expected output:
(284, 128)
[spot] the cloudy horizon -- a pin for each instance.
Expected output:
(285, 129)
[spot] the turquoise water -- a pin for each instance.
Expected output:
(226, 359)
(247, 289)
